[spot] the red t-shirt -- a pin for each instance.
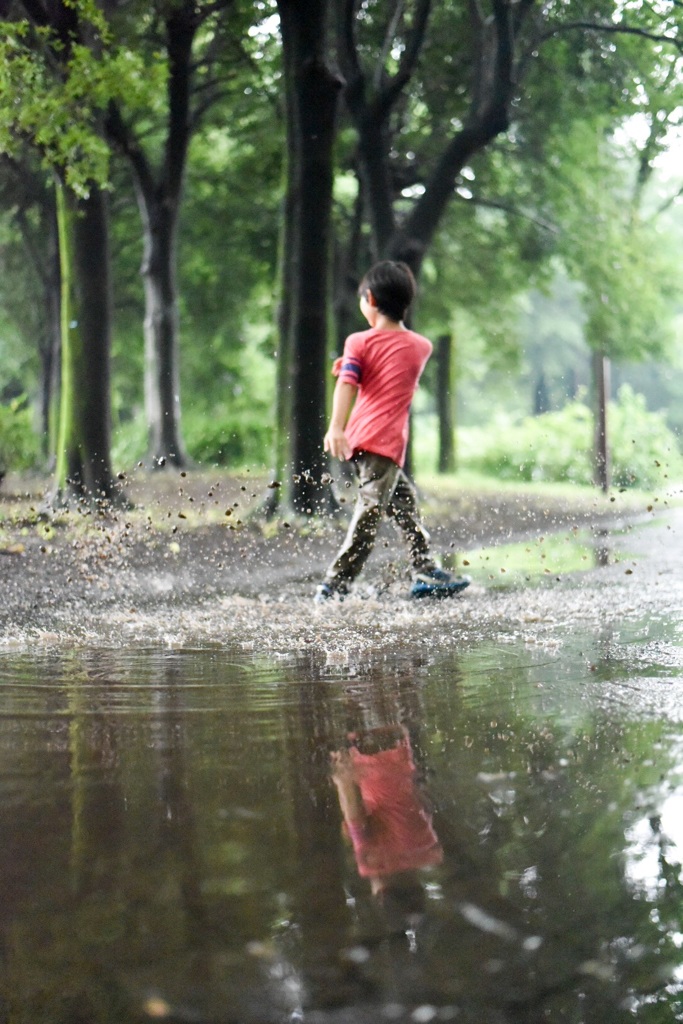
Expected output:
(386, 367)
(397, 834)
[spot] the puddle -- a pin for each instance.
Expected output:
(490, 835)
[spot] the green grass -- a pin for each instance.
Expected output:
(468, 481)
(567, 551)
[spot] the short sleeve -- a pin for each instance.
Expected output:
(351, 371)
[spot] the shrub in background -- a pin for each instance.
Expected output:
(554, 446)
(645, 451)
(234, 437)
(129, 442)
(19, 444)
(558, 446)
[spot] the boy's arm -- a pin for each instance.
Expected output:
(350, 799)
(335, 438)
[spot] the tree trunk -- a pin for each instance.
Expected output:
(158, 204)
(162, 385)
(159, 196)
(601, 388)
(371, 107)
(50, 351)
(541, 396)
(83, 450)
(444, 403)
(42, 250)
(371, 101)
(311, 91)
(351, 260)
(310, 735)
(286, 279)
(160, 219)
(376, 181)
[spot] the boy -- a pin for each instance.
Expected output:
(382, 366)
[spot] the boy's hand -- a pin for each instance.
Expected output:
(336, 444)
(335, 438)
(341, 765)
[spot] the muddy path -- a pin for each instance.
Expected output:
(192, 564)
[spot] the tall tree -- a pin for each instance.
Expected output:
(52, 55)
(446, 461)
(428, 87)
(30, 278)
(417, 149)
(312, 91)
(378, 77)
(629, 277)
(83, 443)
(199, 48)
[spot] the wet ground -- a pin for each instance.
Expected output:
(233, 807)
(190, 564)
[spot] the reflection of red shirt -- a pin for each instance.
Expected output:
(398, 833)
(386, 367)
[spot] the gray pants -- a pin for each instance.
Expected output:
(383, 487)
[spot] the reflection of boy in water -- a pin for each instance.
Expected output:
(385, 815)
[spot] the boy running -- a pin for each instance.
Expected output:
(381, 368)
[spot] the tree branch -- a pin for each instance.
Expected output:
(346, 45)
(488, 117)
(519, 14)
(17, 204)
(181, 29)
(33, 251)
(409, 57)
(476, 13)
(389, 36)
(35, 10)
(496, 204)
(124, 139)
(668, 202)
(591, 26)
(206, 79)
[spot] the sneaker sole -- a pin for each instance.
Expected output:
(438, 590)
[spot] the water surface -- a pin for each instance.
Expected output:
(174, 847)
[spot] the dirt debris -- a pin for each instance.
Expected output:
(193, 562)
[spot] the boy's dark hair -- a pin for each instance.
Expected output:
(393, 287)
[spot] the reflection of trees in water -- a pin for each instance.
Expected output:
(202, 854)
(331, 913)
(546, 835)
(135, 880)
(530, 914)
(51, 965)
(318, 906)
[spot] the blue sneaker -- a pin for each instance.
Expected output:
(438, 583)
(326, 592)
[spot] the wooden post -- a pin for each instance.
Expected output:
(601, 387)
(445, 404)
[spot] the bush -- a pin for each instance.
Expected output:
(645, 451)
(19, 447)
(554, 446)
(558, 446)
(229, 437)
(234, 438)
(129, 442)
